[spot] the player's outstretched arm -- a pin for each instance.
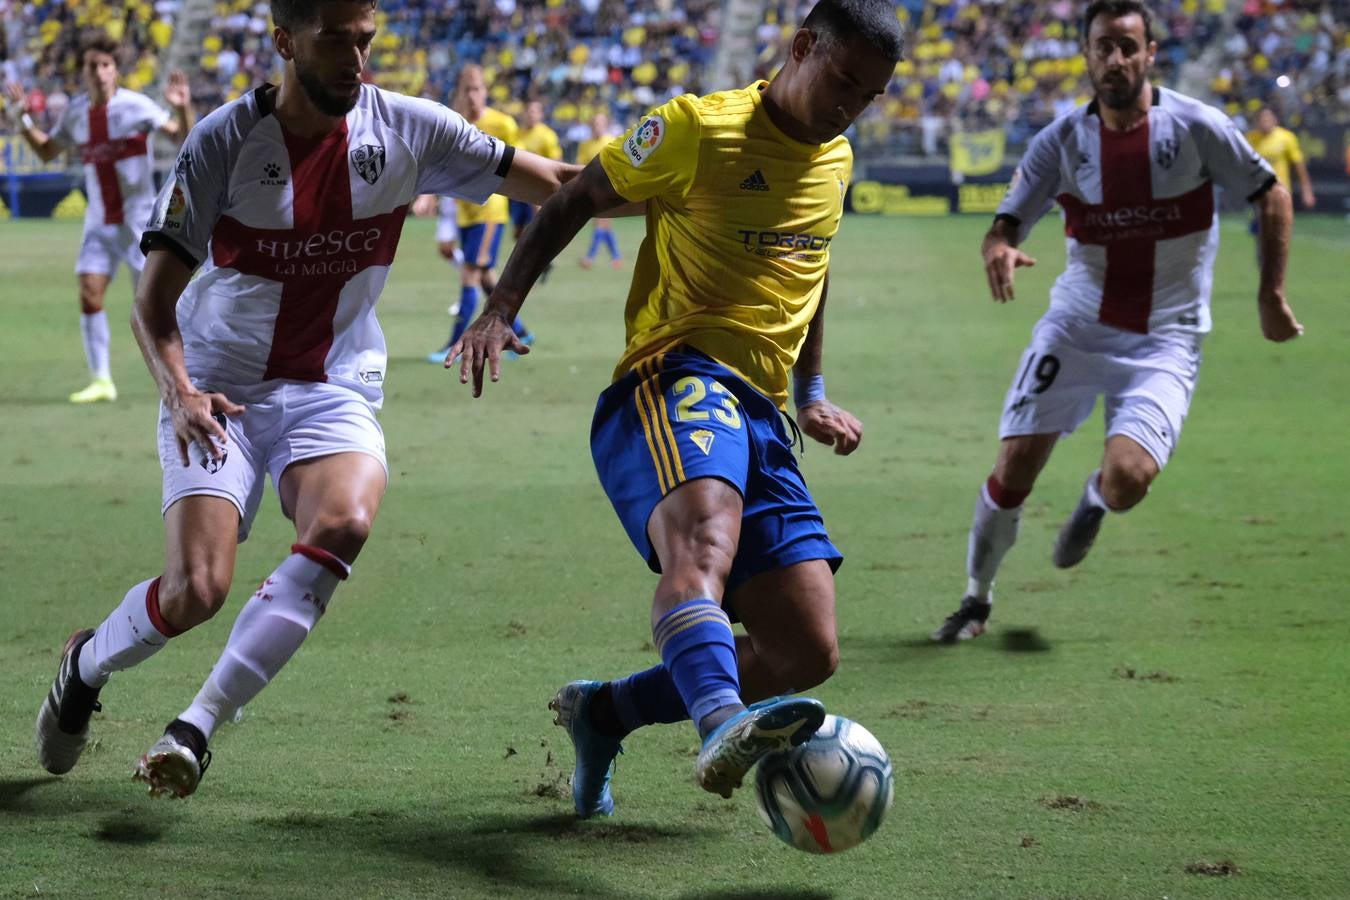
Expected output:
(559, 220)
(1275, 209)
(155, 325)
(534, 179)
(1002, 258)
(817, 417)
(16, 108)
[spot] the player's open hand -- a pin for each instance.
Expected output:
(829, 424)
(16, 102)
(177, 93)
(199, 418)
(1000, 261)
(482, 345)
(1277, 319)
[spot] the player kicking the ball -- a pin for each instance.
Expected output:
(745, 191)
(1134, 171)
(291, 199)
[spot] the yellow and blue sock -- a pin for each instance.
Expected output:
(699, 651)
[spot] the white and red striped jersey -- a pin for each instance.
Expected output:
(113, 141)
(1139, 212)
(297, 235)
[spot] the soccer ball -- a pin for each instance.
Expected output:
(830, 793)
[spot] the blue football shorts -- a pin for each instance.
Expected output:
(480, 243)
(522, 213)
(682, 415)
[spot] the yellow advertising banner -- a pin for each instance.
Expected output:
(17, 158)
(977, 152)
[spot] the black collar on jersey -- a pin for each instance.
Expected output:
(262, 97)
(1157, 100)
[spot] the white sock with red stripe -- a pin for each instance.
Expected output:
(993, 531)
(94, 330)
(270, 628)
(131, 634)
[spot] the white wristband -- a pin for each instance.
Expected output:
(27, 121)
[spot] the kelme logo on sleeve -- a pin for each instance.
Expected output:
(644, 140)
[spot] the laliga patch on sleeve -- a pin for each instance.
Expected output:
(644, 140)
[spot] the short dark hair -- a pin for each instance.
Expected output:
(290, 14)
(873, 20)
(1116, 9)
(100, 43)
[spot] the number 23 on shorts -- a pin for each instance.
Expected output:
(690, 393)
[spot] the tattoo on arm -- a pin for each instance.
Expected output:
(558, 221)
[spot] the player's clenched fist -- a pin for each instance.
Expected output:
(1277, 320)
(829, 424)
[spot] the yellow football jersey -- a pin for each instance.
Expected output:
(1280, 148)
(503, 128)
(739, 223)
(589, 150)
(541, 140)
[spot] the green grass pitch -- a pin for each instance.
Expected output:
(1177, 702)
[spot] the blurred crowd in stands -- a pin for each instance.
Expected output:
(40, 39)
(975, 65)
(970, 65)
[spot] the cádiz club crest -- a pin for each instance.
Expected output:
(369, 162)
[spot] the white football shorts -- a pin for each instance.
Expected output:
(1147, 381)
(447, 228)
(284, 422)
(105, 247)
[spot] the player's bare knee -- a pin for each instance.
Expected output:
(91, 300)
(1124, 486)
(190, 598)
(342, 533)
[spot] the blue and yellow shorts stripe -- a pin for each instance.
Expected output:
(682, 415)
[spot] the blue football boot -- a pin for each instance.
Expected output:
(732, 749)
(595, 752)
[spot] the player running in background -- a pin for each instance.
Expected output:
(480, 225)
(603, 231)
(1280, 148)
(1134, 171)
(538, 138)
(110, 127)
(271, 361)
(745, 191)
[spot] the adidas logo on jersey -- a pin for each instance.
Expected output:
(755, 182)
